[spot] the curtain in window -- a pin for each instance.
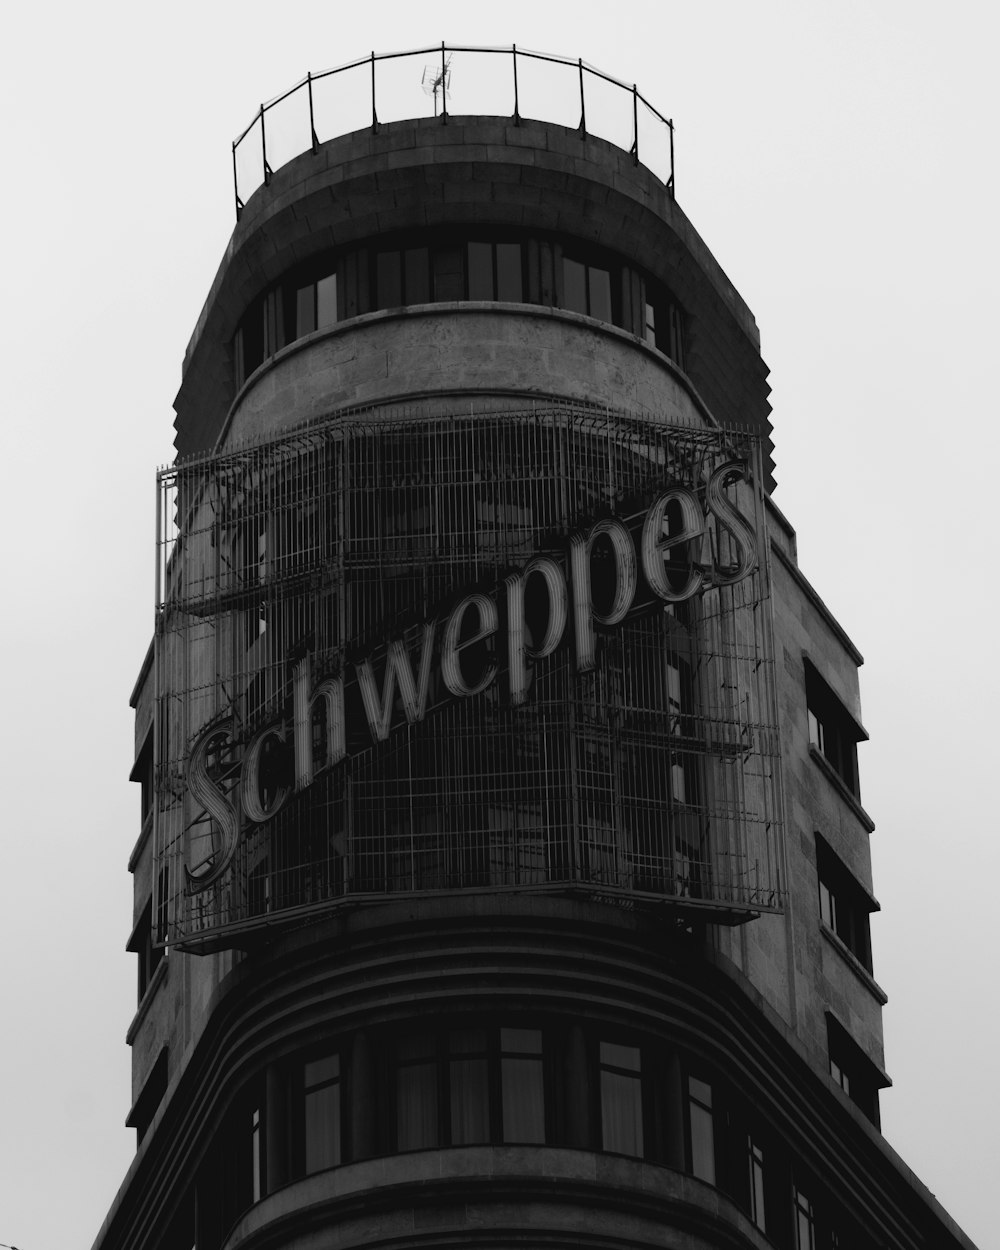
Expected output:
(522, 1087)
(621, 1099)
(322, 1126)
(470, 1096)
(416, 1095)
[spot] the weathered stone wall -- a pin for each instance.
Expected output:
(460, 349)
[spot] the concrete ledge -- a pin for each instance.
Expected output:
(571, 1198)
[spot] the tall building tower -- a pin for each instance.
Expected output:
(503, 878)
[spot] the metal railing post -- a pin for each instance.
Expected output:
(442, 80)
(374, 114)
(312, 119)
(263, 148)
(236, 186)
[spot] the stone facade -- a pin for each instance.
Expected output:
(707, 1079)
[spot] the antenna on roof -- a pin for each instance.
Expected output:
(437, 78)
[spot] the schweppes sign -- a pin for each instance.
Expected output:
(666, 553)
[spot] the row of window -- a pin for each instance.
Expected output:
(522, 1083)
(434, 267)
(844, 906)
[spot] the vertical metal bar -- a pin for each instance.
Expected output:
(263, 148)
(444, 87)
(671, 187)
(517, 108)
(158, 647)
(236, 186)
(312, 118)
(374, 114)
(583, 107)
(157, 591)
(635, 123)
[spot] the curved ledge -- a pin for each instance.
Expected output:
(467, 373)
(572, 1197)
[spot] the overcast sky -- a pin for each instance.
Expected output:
(840, 161)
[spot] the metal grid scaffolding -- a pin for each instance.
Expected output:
(650, 777)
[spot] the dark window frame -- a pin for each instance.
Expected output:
(444, 1060)
(146, 941)
(853, 1071)
(302, 1090)
(618, 1074)
(834, 734)
(845, 906)
(435, 265)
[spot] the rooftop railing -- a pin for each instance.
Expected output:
(450, 80)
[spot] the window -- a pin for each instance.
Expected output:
(143, 772)
(853, 1071)
(755, 1162)
(240, 1157)
(468, 1087)
(621, 1098)
(522, 1086)
(844, 906)
(833, 732)
(417, 1093)
(448, 271)
(435, 265)
(146, 940)
(256, 1156)
(840, 1075)
(805, 1222)
(701, 1130)
(144, 1108)
(274, 322)
(495, 271)
(587, 289)
(321, 1113)
(316, 305)
(664, 322)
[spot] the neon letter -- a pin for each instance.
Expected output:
(398, 673)
(331, 692)
(626, 577)
(519, 647)
(734, 521)
(453, 645)
(224, 821)
(656, 542)
(250, 776)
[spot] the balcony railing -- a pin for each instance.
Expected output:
(450, 80)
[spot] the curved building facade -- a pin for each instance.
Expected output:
(503, 878)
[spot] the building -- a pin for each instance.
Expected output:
(503, 878)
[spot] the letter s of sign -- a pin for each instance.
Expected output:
(734, 521)
(224, 823)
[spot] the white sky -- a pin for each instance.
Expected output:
(839, 159)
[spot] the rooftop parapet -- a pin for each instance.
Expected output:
(451, 80)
